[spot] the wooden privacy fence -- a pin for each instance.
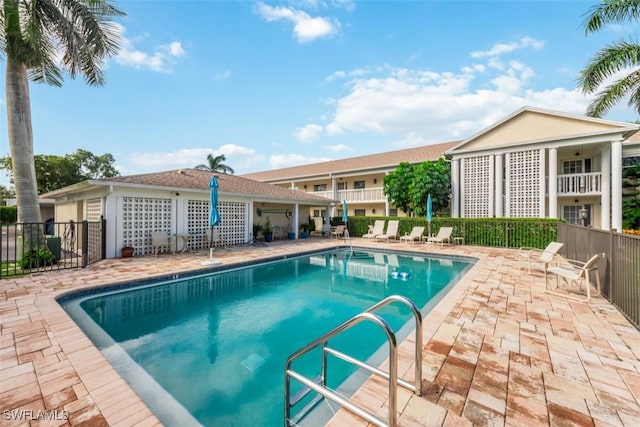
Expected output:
(619, 271)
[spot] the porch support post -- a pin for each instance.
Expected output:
(507, 202)
(334, 194)
(616, 185)
(455, 188)
(462, 189)
(542, 186)
(605, 189)
(492, 185)
(553, 183)
(499, 202)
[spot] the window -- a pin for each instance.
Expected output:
(628, 162)
(393, 211)
(358, 185)
(572, 214)
(320, 187)
(359, 212)
(317, 213)
(342, 186)
(576, 166)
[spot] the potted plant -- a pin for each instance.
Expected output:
(267, 230)
(127, 251)
(290, 234)
(305, 230)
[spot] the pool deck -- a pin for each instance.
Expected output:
(498, 350)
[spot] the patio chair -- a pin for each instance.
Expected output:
(545, 255)
(337, 231)
(392, 231)
(416, 234)
(160, 240)
(378, 228)
(576, 272)
(444, 235)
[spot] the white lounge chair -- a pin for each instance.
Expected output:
(392, 231)
(378, 228)
(160, 240)
(337, 231)
(545, 256)
(444, 235)
(575, 271)
(416, 234)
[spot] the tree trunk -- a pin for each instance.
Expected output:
(21, 147)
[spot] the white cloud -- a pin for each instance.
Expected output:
(419, 107)
(224, 75)
(503, 48)
(305, 27)
(238, 157)
(338, 148)
(309, 133)
(160, 59)
(278, 161)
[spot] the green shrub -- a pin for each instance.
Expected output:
(41, 257)
(496, 232)
(8, 214)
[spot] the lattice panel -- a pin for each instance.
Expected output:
(476, 187)
(141, 216)
(94, 216)
(524, 183)
(94, 209)
(231, 232)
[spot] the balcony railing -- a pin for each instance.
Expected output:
(362, 195)
(581, 183)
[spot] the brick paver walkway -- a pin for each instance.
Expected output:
(498, 350)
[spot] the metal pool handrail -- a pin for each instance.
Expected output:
(320, 385)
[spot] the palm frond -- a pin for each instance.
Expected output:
(606, 62)
(610, 11)
(612, 94)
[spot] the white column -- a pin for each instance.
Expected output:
(455, 188)
(462, 189)
(507, 193)
(492, 196)
(616, 185)
(334, 194)
(542, 186)
(295, 220)
(553, 183)
(498, 178)
(605, 189)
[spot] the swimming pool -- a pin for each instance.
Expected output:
(211, 349)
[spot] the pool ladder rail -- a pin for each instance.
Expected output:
(319, 384)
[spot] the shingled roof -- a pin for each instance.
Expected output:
(390, 159)
(193, 179)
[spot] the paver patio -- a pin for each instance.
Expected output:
(498, 350)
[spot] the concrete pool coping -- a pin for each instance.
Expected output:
(498, 350)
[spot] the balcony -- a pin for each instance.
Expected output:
(580, 183)
(363, 195)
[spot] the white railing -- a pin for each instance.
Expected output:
(581, 183)
(363, 195)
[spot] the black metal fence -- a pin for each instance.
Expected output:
(619, 272)
(33, 247)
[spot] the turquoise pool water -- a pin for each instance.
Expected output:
(217, 344)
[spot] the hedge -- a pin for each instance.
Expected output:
(8, 214)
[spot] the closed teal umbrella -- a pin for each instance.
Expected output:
(345, 215)
(429, 213)
(214, 217)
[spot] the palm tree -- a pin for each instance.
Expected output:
(214, 164)
(40, 40)
(614, 58)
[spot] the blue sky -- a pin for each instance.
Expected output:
(276, 84)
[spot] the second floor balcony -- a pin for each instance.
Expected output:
(359, 195)
(579, 183)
